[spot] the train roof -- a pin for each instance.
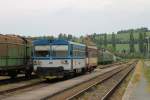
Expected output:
(41, 42)
(60, 42)
(54, 42)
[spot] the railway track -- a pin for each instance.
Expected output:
(111, 65)
(113, 89)
(104, 93)
(77, 91)
(60, 93)
(15, 83)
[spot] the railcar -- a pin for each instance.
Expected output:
(58, 58)
(15, 55)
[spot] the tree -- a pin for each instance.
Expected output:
(113, 40)
(145, 43)
(50, 37)
(138, 30)
(60, 36)
(70, 37)
(94, 37)
(141, 43)
(100, 41)
(105, 40)
(131, 43)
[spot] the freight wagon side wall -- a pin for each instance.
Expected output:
(3, 51)
(13, 52)
(16, 51)
(16, 55)
(29, 48)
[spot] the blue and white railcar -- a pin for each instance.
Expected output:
(58, 57)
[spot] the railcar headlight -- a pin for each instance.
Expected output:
(64, 62)
(34, 62)
(39, 62)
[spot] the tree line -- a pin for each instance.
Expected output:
(102, 41)
(138, 30)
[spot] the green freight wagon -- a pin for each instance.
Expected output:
(15, 55)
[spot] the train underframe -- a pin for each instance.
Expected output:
(15, 70)
(60, 72)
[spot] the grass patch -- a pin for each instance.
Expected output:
(147, 73)
(138, 72)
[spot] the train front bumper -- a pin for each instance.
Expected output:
(48, 72)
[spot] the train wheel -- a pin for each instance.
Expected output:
(67, 76)
(28, 74)
(83, 70)
(12, 74)
(91, 69)
(75, 73)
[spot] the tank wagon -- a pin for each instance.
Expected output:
(59, 58)
(106, 57)
(15, 55)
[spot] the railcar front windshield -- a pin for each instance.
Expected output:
(42, 51)
(59, 51)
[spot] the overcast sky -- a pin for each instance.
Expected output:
(77, 17)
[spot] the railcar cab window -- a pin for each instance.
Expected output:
(42, 51)
(59, 51)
